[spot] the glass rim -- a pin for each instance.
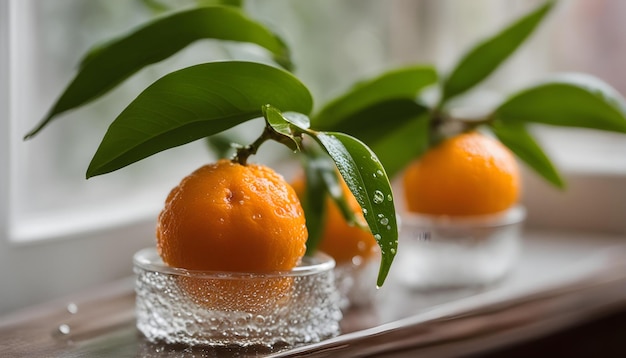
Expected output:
(511, 216)
(148, 259)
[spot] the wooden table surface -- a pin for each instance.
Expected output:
(575, 311)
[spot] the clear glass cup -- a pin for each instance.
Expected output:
(226, 309)
(439, 252)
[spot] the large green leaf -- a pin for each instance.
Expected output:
(368, 182)
(403, 83)
(193, 103)
(107, 65)
(574, 100)
(485, 58)
(516, 137)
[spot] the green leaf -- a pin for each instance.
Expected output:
(516, 137)
(334, 190)
(105, 66)
(193, 103)
(301, 121)
(395, 129)
(282, 127)
(373, 123)
(574, 100)
(485, 58)
(322, 181)
(314, 201)
(397, 148)
(404, 83)
(368, 182)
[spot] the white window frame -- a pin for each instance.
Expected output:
(32, 271)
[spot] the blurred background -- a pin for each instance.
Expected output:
(60, 233)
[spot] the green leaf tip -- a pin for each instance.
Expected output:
(367, 180)
(484, 58)
(523, 145)
(567, 100)
(109, 64)
(572, 100)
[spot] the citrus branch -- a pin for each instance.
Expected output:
(243, 153)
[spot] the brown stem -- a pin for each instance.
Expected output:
(243, 153)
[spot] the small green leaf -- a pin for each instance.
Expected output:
(368, 182)
(404, 83)
(516, 137)
(299, 120)
(107, 65)
(193, 103)
(574, 100)
(282, 127)
(485, 58)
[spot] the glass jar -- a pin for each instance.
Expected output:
(437, 252)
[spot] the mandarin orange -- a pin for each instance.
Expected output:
(341, 240)
(234, 218)
(230, 217)
(469, 174)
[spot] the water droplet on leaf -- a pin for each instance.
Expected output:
(379, 197)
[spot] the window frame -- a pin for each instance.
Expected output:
(88, 255)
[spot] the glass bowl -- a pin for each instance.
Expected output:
(226, 309)
(438, 252)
